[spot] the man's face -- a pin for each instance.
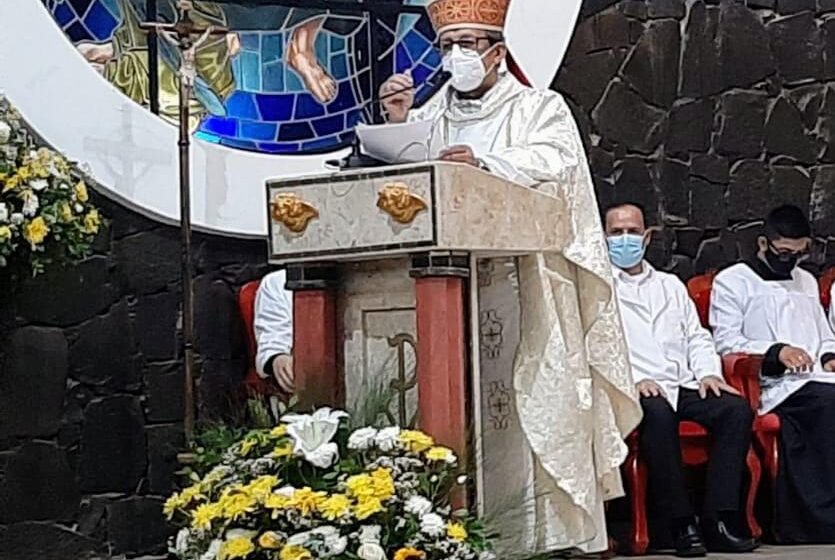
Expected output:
(474, 40)
(785, 246)
(625, 219)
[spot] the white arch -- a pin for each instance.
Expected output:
(132, 153)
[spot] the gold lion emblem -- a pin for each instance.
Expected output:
(397, 201)
(293, 212)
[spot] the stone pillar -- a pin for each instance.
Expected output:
(318, 382)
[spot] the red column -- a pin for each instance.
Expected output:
(442, 365)
(318, 382)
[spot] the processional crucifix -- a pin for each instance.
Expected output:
(187, 37)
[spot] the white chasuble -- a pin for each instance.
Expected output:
(573, 390)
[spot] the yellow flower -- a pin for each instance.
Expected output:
(295, 552)
(283, 449)
(367, 507)
(35, 231)
(172, 504)
(204, 515)
(5, 233)
(24, 172)
(270, 540)
(247, 445)
(92, 221)
(277, 502)
(65, 211)
(382, 484)
(11, 183)
(236, 503)
(307, 501)
(456, 531)
(81, 192)
(238, 547)
(279, 431)
(409, 554)
(441, 454)
(336, 506)
(191, 493)
(416, 441)
(360, 486)
(262, 486)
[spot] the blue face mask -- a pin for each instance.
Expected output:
(627, 250)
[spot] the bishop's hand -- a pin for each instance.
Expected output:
(397, 96)
(459, 154)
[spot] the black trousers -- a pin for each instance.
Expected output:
(728, 419)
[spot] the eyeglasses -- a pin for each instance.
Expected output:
(787, 254)
(466, 43)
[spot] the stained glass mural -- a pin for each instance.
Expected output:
(284, 80)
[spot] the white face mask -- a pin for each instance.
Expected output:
(466, 67)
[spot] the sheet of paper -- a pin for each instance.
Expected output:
(396, 143)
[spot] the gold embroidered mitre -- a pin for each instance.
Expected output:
(447, 15)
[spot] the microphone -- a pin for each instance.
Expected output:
(356, 159)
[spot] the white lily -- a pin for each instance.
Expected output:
(312, 435)
(5, 132)
(4, 213)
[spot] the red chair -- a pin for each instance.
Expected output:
(246, 305)
(826, 282)
(695, 447)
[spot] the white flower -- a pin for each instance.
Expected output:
(31, 205)
(312, 435)
(487, 555)
(388, 439)
(335, 544)
(432, 525)
(2, 261)
(5, 132)
(39, 184)
(371, 551)
(181, 542)
(286, 491)
(212, 551)
(63, 186)
(78, 208)
(17, 218)
(370, 534)
(362, 439)
(4, 213)
(418, 505)
(462, 479)
(240, 533)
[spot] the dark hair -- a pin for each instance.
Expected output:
(495, 37)
(621, 204)
(787, 221)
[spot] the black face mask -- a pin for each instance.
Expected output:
(782, 265)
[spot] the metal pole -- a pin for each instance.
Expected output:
(153, 57)
(185, 234)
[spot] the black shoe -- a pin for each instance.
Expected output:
(688, 542)
(720, 538)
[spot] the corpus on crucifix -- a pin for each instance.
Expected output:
(187, 37)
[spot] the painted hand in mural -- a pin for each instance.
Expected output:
(301, 56)
(397, 97)
(96, 54)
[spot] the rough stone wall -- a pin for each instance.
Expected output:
(91, 395)
(709, 114)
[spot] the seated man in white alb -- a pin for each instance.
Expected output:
(679, 377)
(274, 331)
(832, 306)
(772, 307)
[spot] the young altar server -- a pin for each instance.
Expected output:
(574, 394)
(772, 307)
(678, 375)
(832, 306)
(274, 331)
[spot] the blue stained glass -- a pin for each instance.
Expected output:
(100, 22)
(346, 137)
(275, 108)
(220, 126)
(416, 45)
(321, 46)
(321, 144)
(279, 148)
(205, 136)
(292, 82)
(421, 73)
(339, 67)
(433, 58)
(344, 99)
(337, 44)
(251, 42)
(353, 118)
(294, 131)
(405, 24)
(112, 6)
(64, 14)
(80, 6)
(241, 105)
(273, 77)
(272, 47)
(250, 71)
(307, 107)
(240, 144)
(78, 32)
(403, 60)
(329, 125)
(257, 130)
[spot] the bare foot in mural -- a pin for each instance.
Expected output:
(301, 56)
(96, 55)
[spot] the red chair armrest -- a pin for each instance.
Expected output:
(742, 372)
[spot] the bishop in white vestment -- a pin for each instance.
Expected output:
(574, 393)
(771, 307)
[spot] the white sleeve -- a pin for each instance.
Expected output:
(273, 320)
(727, 318)
(701, 351)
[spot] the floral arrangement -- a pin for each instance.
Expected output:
(309, 488)
(45, 210)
